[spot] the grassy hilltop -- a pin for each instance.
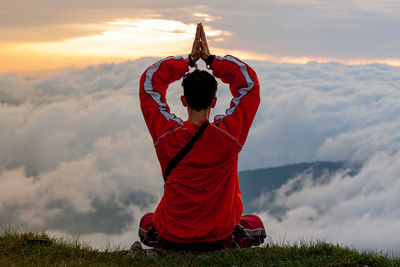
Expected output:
(29, 249)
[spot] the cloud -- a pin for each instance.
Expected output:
(313, 29)
(323, 112)
(359, 211)
(75, 153)
(331, 112)
(76, 156)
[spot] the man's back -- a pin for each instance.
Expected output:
(201, 202)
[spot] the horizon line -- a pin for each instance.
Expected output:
(245, 56)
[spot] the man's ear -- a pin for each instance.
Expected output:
(214, 102)
(183, 100)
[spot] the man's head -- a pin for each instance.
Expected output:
(199, 89)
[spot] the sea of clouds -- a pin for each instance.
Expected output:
(76, 157)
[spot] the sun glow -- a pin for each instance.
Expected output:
(127, 39)
(204, 16)
(116, 41)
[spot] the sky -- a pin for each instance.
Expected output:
(46, 35)
(76, 157)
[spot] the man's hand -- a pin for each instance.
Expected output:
(200, 47)
(196, 44)
(205, 51)
(195, 54)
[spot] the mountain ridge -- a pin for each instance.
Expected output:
(254, 183)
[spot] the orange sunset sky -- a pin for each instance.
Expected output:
(46, 36)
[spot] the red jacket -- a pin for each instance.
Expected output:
(202, 200)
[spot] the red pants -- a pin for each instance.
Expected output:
(249, 232)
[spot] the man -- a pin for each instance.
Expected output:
(201, 206)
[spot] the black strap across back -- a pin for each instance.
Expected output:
(184, 151)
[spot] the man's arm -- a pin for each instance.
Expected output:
(153, 88)
(244, 87)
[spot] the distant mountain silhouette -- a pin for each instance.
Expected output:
(254, 183)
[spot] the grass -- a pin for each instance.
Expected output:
(33, 249)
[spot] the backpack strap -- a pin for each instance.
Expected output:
(184, 151)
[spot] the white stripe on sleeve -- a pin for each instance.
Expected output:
(242, 91)
(156, 96)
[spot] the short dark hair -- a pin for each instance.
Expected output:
(199, 89)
